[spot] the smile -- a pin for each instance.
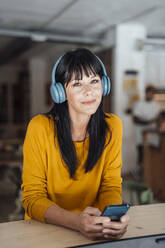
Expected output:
(89, 102)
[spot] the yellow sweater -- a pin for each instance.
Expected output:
(46, 180)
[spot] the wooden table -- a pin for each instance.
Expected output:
(145, 220)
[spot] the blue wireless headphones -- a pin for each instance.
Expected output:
(57, 90)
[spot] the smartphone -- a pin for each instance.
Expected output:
(115, 211)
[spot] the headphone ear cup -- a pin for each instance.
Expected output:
(58, 93)
(106, 85)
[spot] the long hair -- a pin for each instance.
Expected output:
(76, 62)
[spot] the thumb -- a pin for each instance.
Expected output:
(92, 211)
(125, 218)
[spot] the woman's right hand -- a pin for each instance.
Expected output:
(91, 223)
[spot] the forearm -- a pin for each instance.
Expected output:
(59, 216)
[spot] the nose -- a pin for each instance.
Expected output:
(87, 89)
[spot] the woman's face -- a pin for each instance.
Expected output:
(84, 96)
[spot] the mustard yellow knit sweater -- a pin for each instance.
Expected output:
(46, 180)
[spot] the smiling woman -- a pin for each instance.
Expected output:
(72, 155)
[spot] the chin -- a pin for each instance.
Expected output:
(90, 112)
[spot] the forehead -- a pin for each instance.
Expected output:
(83, 75)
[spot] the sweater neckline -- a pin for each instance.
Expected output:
(80, 143)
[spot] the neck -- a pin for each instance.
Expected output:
(78, 126)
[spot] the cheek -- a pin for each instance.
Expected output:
(72, 98)
(99, 92)
(69, 95)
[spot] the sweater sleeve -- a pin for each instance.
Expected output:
(110, 191)
(35, 197)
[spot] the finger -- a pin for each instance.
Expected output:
(114, 232)
(98, 235)
(102, 220)
(114, 225)
(125, 218)
(115, 236)
(118, 224)
(93, 229)
(92, 211)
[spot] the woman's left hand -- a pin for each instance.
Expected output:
(116, 229)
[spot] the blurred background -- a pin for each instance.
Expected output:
(129, 37)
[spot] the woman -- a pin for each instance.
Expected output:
(72, 155)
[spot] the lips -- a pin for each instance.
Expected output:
(89, 102)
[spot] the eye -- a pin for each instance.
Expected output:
(95, 81)
(76, 84)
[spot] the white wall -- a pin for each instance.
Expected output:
(155, 68)
(126, 57)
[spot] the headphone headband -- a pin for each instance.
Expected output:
(54, 69)
(103, 67)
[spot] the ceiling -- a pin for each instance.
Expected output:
(41, 26)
